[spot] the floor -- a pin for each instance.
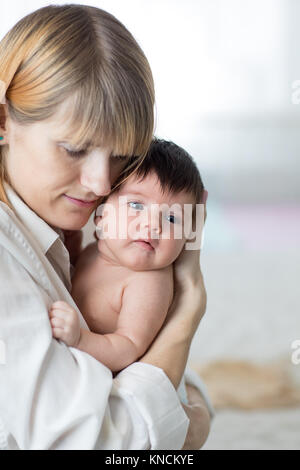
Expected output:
(252, 277)
(259, 430)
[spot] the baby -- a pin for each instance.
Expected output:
(123, 284)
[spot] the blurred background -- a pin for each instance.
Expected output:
(227, 76)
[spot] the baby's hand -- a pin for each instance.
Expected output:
(65, 323)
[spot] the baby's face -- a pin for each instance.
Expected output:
(142, 227)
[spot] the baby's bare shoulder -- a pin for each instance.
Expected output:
(150, 292)
(159, 278)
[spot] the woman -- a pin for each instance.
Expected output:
(79, 101)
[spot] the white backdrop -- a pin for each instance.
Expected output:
(223, 72)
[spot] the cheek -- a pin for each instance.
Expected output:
(174, 246)
(133, 226)
(61, 171)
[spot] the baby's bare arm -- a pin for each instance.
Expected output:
(113, 350)
(145, 304)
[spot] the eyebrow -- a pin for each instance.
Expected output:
(135, 193)
(132, 191)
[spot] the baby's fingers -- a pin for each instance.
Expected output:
(57, 313)
(61, 330)
(57, 322)
(61, 305)
(57, 326)
(57, 333)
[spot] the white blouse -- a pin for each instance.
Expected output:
(57, 397)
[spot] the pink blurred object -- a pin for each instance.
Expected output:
(265, 227)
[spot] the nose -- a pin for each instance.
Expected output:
(95, 172)
(156, 224)
(153, 222)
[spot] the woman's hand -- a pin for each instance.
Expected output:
(170, 349)
(187, 265)
(73, 243)
(188, 281)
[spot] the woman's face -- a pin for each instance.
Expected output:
(63, 189)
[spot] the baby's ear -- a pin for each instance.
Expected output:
(97, 219)
(204, 197)
(98, 214)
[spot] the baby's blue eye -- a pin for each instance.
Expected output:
(136, 205)
(171, 218)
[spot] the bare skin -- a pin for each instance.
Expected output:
(123, 309)
(196, 410)
(124, 287)
(90, 178)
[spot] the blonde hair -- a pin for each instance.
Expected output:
(59, 51)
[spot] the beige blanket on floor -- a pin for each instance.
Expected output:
(246, 385)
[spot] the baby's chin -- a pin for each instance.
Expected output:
(140, 260)
(139, 263)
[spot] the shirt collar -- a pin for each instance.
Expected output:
(44, 234)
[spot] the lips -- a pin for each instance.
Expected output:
(83, 200)
(80, 202)
(146, 244)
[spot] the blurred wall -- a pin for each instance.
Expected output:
(224, 71)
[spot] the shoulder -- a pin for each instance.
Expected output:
(10, 230)
(7, 216)
(159, 281)
(16, 279)
(13, 246)
(18, 254)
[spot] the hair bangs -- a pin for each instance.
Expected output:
(107, 121)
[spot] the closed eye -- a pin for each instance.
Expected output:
(83, 152)
(76, 153)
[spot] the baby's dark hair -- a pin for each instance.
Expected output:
(174, 167)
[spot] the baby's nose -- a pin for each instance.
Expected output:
(156, 226)
(156, 229)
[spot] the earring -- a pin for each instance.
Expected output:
(1, 138)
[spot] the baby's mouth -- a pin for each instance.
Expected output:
(146, 244)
